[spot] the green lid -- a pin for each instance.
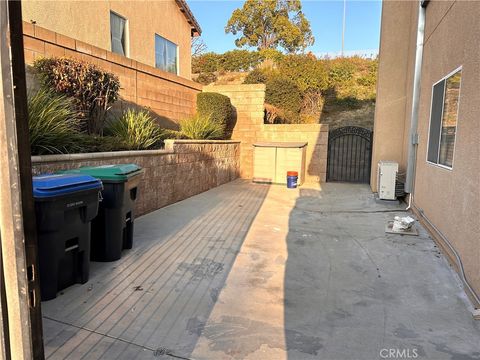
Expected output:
(117, 172)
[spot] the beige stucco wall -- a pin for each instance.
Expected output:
(394, 86)
(89, 21)
(451, 198)
(448, 198)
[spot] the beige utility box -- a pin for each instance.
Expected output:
(272, 160)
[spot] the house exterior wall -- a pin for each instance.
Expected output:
(451, 198)
(394, 85)
(447, 198)
(89, 21)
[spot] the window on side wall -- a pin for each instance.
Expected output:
(443, 119)
(166, 55)
(119, 34)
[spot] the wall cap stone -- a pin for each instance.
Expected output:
(98, 155)
(234, 88)
(187, 141)
(169, 149)
(295, 127)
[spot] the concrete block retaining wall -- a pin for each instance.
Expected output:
(170, 97)
(185, 168)
(248, 101)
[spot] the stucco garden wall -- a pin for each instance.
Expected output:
(185, 168)
(248, 101)
(170, 97)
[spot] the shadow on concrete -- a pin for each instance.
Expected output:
(157, 298)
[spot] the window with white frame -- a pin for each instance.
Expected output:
(443, 119)
(119, 34)
(166, 54)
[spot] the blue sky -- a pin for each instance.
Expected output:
(362, 24)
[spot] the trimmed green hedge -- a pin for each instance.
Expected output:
(215, 106)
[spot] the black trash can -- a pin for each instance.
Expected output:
(64, 207)
(112, 229)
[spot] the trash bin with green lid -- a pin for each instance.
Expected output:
(112, 229)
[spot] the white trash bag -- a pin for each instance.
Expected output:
(402, 223)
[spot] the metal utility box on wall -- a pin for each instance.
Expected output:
(387, 176)
(272, 160)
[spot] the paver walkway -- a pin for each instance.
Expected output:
(248, 271)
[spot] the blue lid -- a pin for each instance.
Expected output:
(45, 186)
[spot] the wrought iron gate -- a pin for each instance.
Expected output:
(349, 154)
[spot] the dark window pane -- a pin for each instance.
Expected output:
(435, 121)
(449, 119)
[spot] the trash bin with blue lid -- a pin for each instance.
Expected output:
(112, 230)
(65, 205)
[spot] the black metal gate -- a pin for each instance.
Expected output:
(349, 154)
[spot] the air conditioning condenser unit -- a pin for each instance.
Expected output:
(387, 175)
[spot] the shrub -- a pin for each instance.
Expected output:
(234, 60)
(369, 77)
(308, 73)
(340, 72)
(312, 103)
(256, 76)
(137, 129)
(52, 122)
(206, 78)
(95, 143)
(271, 54)
(216, 107)
(239, 60)
(283, 93)
(93, 90)
(171, 134)
(273, 115)
(205, 63)
(201, 127)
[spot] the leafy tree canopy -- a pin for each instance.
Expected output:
(269, 24)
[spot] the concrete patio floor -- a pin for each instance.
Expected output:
(248, 271)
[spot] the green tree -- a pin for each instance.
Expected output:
(269, 24)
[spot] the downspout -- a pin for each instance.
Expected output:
(413, 135)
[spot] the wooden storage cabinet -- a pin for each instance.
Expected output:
(271, 161)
